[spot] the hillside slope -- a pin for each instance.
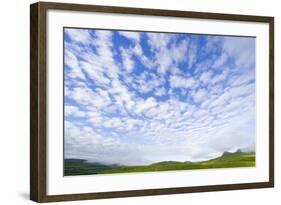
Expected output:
(227, 160)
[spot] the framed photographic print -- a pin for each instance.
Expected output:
(135, 102)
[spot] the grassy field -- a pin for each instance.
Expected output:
(227, 160)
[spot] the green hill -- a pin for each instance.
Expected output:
(226, 160)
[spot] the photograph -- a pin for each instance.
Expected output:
(132, 101)
(153, 101)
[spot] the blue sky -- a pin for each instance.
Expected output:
(141, 97)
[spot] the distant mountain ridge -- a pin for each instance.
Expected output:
(225, 153)
(226, 160)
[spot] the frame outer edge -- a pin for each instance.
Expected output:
(271, 102)
(155, 12)
(38, 103)
(34, 186)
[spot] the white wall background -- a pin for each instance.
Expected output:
(14, 102)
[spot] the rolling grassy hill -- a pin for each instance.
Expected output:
(227, 160)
